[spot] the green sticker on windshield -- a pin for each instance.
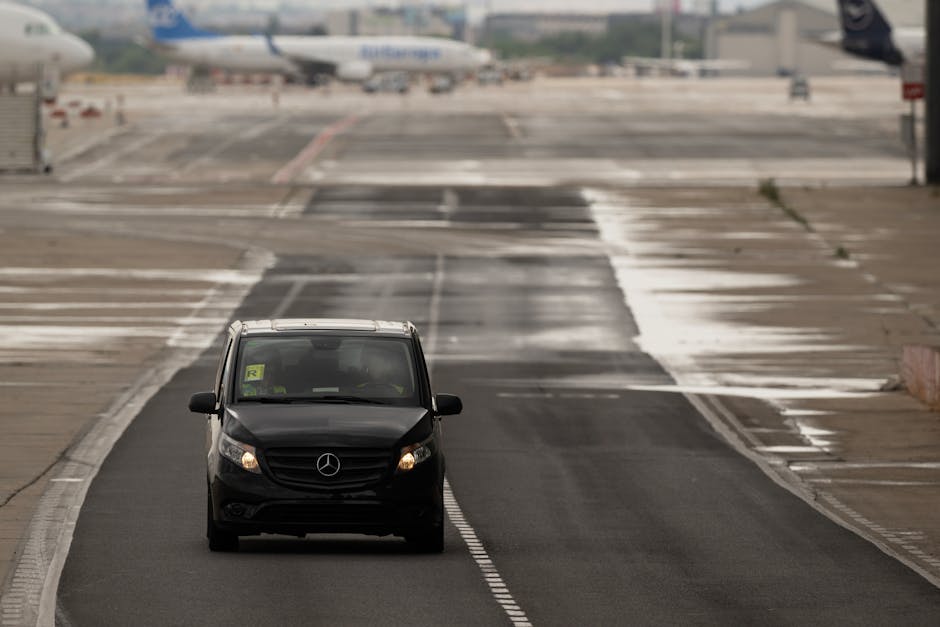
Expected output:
(254, 372)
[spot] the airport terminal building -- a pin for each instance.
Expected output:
(781, 38)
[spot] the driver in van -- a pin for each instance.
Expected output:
(383, 369)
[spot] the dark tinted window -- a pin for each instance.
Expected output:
(329, 368)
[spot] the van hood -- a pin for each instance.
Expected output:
(324, 425)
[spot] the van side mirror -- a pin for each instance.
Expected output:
(202, 403)
(448, 404)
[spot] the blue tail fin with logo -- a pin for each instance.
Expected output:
(866, 33)
(167, 23)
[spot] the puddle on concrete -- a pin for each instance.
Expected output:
(189, 275)
(790, 450)
(704, 338)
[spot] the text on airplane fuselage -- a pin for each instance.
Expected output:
(371, 53)
(163, 16)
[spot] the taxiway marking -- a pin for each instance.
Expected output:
(313, 149)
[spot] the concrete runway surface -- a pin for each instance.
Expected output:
(587, 488)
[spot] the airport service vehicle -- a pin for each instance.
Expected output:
(490, 76)
(866, 33)
(34, 49)
(310, 58)
(324, 426)
(394, 82)
(799, 88)
(441, 85)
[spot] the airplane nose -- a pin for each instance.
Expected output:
(80, 53)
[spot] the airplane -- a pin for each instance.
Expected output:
(687, 68)
(867, 34)
(34, 49)
(306, 57)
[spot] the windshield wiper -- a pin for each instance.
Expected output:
(279, 400)
(339, 398)
(332, 398)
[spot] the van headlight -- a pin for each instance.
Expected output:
(413, 455)
(244, 456)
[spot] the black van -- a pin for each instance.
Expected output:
(324, 426)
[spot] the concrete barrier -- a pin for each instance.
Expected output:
(920, 368)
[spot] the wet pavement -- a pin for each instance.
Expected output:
(641, 365)
(616, 497)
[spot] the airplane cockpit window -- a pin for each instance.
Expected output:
(39, 29)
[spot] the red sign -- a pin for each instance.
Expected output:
(912, 91)
(912, 81)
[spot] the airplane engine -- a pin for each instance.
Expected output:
(354, 71)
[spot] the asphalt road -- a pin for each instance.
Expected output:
(597, 505)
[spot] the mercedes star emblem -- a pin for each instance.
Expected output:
(328, 464)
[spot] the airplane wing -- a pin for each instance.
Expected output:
(310, 68)
(314, 67)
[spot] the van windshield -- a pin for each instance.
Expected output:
(326, 368)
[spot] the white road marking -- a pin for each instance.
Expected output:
(344, 278)
(723, 421)
(872, 482)
(512, 126)
(313, 149)
(498, 588)
(706, 172)
(840, 465)
(32, 594)
(87, 145)
(450, 203)
(71, 207)
(110, 158)
(189, 275)
(144, 322)
(288, 300)
(898, 539)
(572, 395)
(293, 203)
(250, 133)
(27, 306)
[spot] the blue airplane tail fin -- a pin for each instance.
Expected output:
(167, 23)
(866, 32)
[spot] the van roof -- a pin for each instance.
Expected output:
(384, 327)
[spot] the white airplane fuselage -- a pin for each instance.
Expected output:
(377, 54)
(32, 42)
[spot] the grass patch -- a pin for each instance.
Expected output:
(769, 190)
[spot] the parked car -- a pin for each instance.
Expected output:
(490, 76)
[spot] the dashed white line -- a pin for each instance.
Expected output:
(498, 588)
